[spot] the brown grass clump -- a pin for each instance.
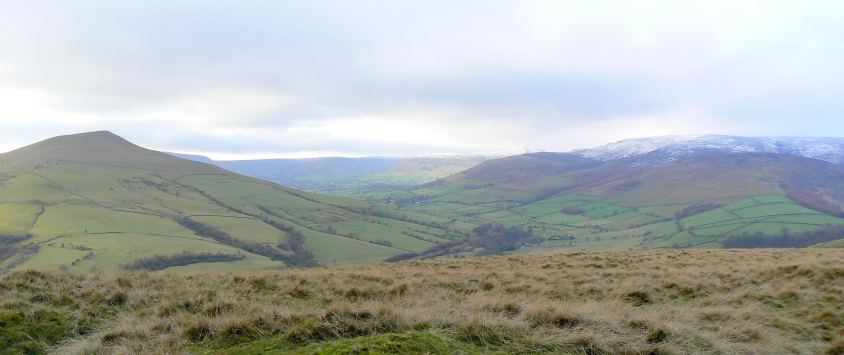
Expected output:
(660, 302)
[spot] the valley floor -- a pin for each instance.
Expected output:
(641, 302)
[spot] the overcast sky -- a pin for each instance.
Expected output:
(248, 79)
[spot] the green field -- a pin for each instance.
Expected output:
(96, 201)
(609, 226)
(611, 202)
(17, 218)
(123, 214)
(114, 203)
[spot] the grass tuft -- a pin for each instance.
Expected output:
(652, 302)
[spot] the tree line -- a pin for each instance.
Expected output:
(496, 239)
(695, 209)
(786, 239)
(226, 239)
(8, 248)
(161, 262)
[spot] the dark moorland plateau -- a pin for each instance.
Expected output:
(108, 247)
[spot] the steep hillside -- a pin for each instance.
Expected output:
(101, 148)
(94, 200)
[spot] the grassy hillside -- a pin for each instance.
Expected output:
(784, 301)
(623, 204)
(95, 201)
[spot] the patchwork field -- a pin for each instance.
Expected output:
(573, 203)
(783, 301)
(138, 217)
(602, 225)
(112, 203)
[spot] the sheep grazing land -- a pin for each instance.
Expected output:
(643, 302)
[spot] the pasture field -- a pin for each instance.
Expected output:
(371, 232)
(17, 218)
(112, 249)
(334, 250)
(426, 232)
(612, 226)
(248, 232)
(66, 219)
(161, 205)
(28, 187)
(761, 301)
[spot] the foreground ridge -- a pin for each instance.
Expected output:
(667, 301)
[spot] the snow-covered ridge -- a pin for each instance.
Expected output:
(828, 149)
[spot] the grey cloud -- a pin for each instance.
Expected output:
(551, 65)
(575, 96)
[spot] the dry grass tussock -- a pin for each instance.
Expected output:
(651, 302)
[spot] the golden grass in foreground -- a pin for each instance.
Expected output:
(672, 301)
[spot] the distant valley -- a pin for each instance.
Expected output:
(307, 174)
(344, 175)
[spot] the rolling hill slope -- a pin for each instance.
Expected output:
(698, 200)
(95, 200)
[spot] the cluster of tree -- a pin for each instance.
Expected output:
(86, 257)
(383, 242)
(814, 200)
(440, 249)
(8, 251)
(10, 239)
(18, 254)
(786, 239)
(400, 257)
(572, 210)
(496, 239)
(300, 257)
(695, 209)
(7, 247)
(477, 186)
(401, 202)
(656, 219)
(226, 239)
(628, 185)
(296, 244)
(71, 246)
(448, 233)
(161, 262)
(157, 185)
(493, 238)
(414, 236)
